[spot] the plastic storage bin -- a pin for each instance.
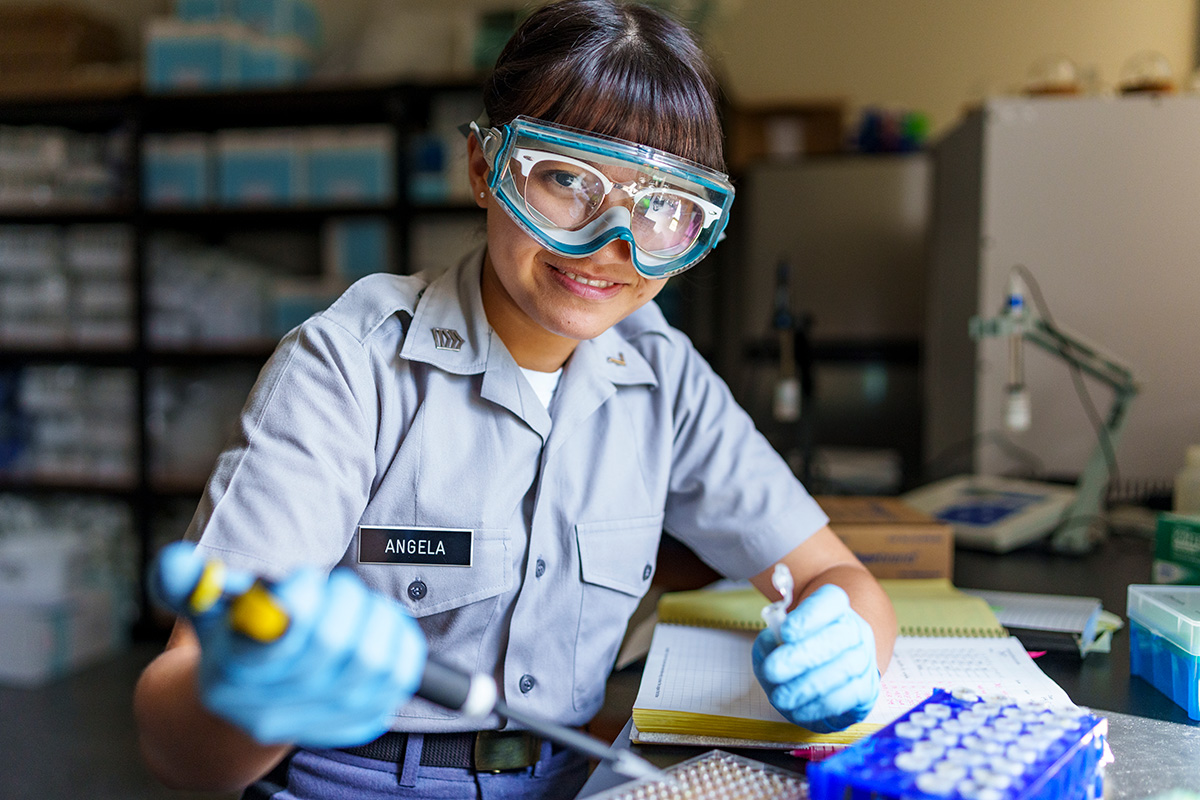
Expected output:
(176, 171)
(275, 61)
(261, 167)
(193, 55)
(285, 18)
(356, 165)
(203, 10)
(355, 247)
(1164, 641)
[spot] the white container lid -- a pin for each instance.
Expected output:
(1173, 612)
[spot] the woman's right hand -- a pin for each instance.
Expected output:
(346, 661)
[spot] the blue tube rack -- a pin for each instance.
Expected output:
(962, 746)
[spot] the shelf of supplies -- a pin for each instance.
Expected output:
(46, 484)
(255, 352)
(101, 112)
(304, 105)
(261, 216)
(64, 214)
(18, 355)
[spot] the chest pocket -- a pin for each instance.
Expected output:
(424, 590)
(617, 561)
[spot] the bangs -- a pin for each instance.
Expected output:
(639, 109)
(627, 72)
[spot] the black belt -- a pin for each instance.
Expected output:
(483, 751)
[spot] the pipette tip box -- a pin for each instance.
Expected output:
(1164, 641)
(963, 746)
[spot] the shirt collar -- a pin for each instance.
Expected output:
(449, 330)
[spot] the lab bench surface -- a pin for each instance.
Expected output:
(1155, 744)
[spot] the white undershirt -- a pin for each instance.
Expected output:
(543, 383)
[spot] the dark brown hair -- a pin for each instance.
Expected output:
(614, 68)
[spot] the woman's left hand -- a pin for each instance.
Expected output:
(823, 676)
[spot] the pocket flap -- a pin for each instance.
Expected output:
(424, 589)
(620, 554)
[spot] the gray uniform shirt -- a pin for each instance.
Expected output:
(399, 406)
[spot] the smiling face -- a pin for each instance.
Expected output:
(541, 304)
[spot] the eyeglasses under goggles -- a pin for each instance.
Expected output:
(574, 192)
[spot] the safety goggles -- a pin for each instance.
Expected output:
(574, 192)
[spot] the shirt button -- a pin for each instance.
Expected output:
(646, 573)
(417, 590)
(541, 568)
(526, 683)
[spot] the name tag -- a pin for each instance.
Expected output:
(388, 544)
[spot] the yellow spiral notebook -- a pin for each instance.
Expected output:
(698, 685)
(923, 608)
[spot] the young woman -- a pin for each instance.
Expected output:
(490, 456)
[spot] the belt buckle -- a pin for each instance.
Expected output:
(498, 751)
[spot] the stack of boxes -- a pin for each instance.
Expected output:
(66, 568)
(190, 416)
(69, 422)
(224, 44)
(53, 167)
(891, 538)
(64, 286)
(1164, 641)
(278, 167)
(1177, 549)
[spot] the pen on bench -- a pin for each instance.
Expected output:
(256, 614)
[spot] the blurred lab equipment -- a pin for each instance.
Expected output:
(853, 231)
(1098, 194)
(1082, 524)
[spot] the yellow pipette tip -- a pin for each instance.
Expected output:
(209, 587)
(258, 615)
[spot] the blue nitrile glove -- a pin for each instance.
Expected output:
(348, 659)
(823, 676)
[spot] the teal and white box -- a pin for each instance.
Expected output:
(275, 61)
(261, 167)
(354, 165)
(1164, 641)
(176, 170)
(203, 10)
(1177, 549)
(355, 247)
(298, 18)
(193, 55)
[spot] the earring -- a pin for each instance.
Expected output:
(481, 195)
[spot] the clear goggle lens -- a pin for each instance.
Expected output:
(568, 194)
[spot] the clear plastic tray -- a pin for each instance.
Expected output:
(715, 775)
(1173, 612)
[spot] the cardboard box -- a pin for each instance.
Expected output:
(891, 538)
(1177, 549)
(783, 131)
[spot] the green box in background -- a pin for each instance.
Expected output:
(1177, 549)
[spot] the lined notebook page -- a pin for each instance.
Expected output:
(700, 681)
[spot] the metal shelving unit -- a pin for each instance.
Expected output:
(405, 107)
